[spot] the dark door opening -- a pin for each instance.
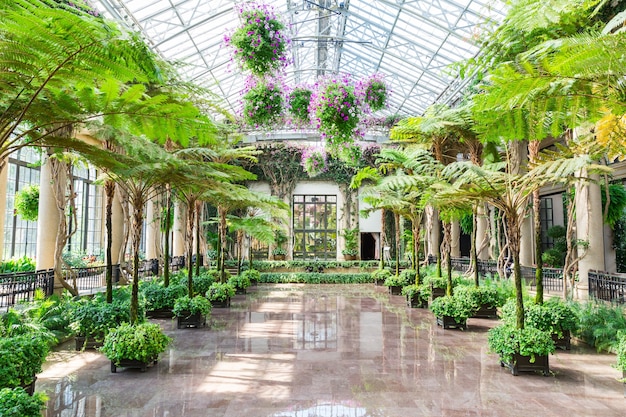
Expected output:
(368, 247)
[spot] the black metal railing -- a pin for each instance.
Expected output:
(21, 286)
(607, 286)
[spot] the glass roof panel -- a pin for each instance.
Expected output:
(412, 42)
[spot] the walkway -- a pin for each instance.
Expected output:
(329, 351)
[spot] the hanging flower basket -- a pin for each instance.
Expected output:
(374, 92)
(262, 102)
(299, 100)
(314, 161)
(260, 42)
(336, 108)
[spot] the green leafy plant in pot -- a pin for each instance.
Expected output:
(520, 349)
(192, 312)
(134, 345)
(220, 293)
(620, 350)
(16, 402)
(158, 297)
(240, 282)
(416, 295)
(380, 276)
(451, 311)
(21, 358)
(351, 249)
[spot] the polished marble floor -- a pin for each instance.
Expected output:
(328, 351)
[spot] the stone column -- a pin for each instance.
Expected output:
(433, 231)
(178, 244)
(527, 247)
(482, 228)
(455, 249)
(153, 231)
(589, 227)
(48, 220)
(117, 229)
(4, 178)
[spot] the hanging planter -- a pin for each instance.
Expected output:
(262, 102)
(260, 42)
(299, 100)
(336, 108)
(314, 161)
(373, 91)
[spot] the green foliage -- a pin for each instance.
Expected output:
(239, 282)
(21, 357)
(279, 251)
(80, 259)
(27, 202)
(315, 278)
(555, 256)
(396, 281)
(507, 340)
(262, 104)
(617, 204)
(141, 342)
(422, 290)
(351, 237)
(381, 275)
(621, 352)
(45, 316)
(600, 324)
(23, 264)
(220, 291)
(299, 100)
(457, 308)
(553, 316)
(201, 283)
(252, 275)
(95, 317)
(619, 243)
(196, 305)
(476, 297)
(156, 296)
(409, 276)
(467, 223)
(17, 403)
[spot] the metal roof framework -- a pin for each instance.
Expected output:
(412, 42)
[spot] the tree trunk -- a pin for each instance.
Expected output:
(473, 249)
(137, 203)
(416, 222)
(514, 233)
(533, 152)
(396, 221)
(191, 211)
(222, 229)
(167, 230)
(198, 229)
(382, 240)
(109, 191)
(447, 231)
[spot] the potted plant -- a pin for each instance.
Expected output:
(220, 293)
(395, 284)
(451, 312)
(374, 91)
(437, 286)
(314, 161)
(380, 275)
(240, 283)
(299, 100)
(21, 358)
(252, 275)
(93, 318)
(416, 295)
(521, 350)
(16, 402)
(159, 300)
(482, 299)
(191, 312)
(351, 249)
(279, 252)
(262, 102)
(134, 346)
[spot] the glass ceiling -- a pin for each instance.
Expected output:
(412, 42)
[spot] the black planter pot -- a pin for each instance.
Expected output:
(191, 320)
(486, 312)
(132, 364)
(83, 342)
(395, 290)
(436, 292)
(521, 363)
(160, 313)
(416, 301)
(221, 304)
(448, 322)
(379, 282)
(563, 342)
(240, 291)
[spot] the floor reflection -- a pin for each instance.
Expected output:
(326, 351)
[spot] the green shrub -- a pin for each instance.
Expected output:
(453, 307)
(396, 281)
(23, 264)
(315, 278)
(21, 357)
(220, 291)
(621, 352)
(196, 305)
(141, 342)
(408, 275)
(477, 296)
(423, 291)
(381, 274)
(17, 403)
(27, 202)
(252, 275)
(506, 340)
(95, 317)
(156, 296)
(600, 324)
(240, 282)
(201, 283)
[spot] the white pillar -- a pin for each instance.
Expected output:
(527, 246)
(433, 231)
(589, 227)
(4, 178)
(48, 220)
(152, 231)
(117, 229)
(178, 244)
(481, 232)
(455, 243)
